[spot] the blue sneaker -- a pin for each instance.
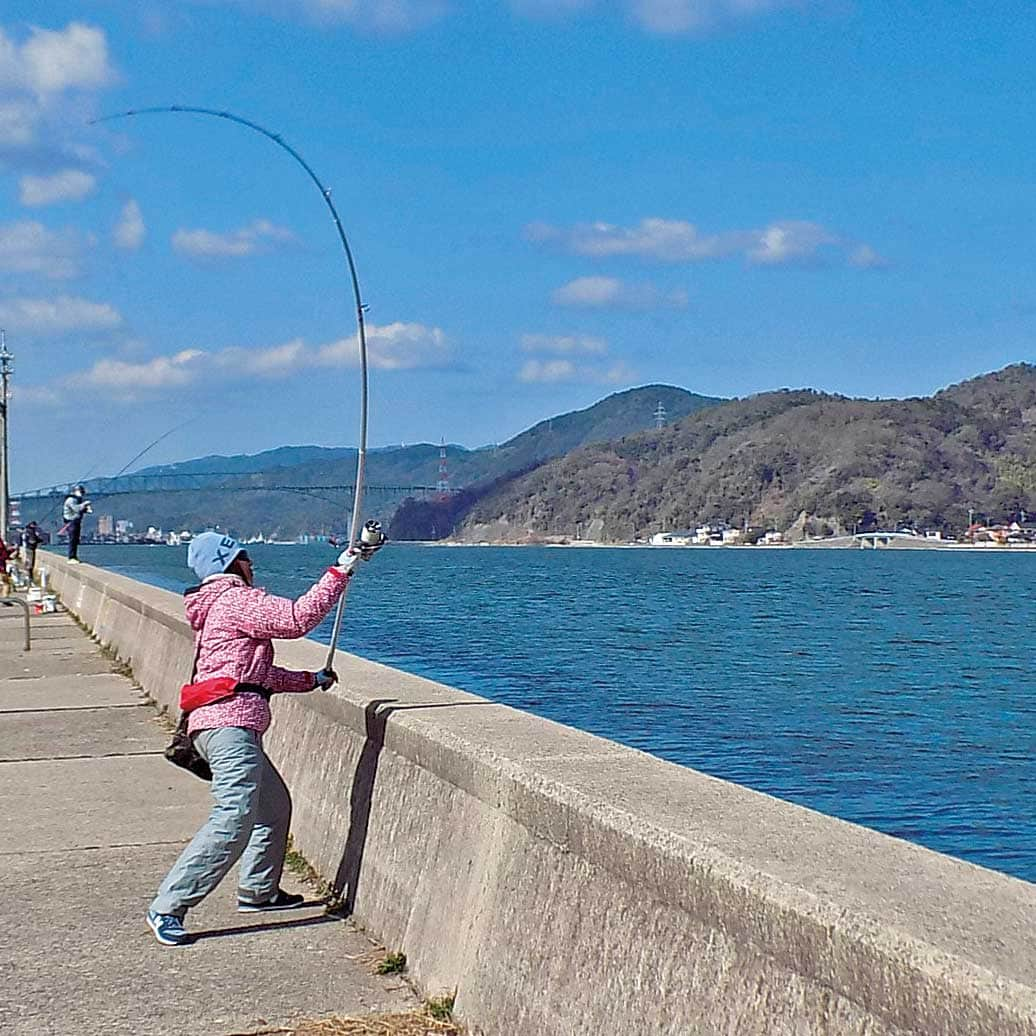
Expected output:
(168, 929)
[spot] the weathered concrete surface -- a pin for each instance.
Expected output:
(104, 731)
(70, 660)
(567, 885)
(15, 633)
(84, 842)
(60, 692)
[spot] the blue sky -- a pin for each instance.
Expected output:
(547, 202)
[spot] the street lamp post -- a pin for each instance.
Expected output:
(5, 396)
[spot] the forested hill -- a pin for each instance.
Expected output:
(624, 413)
(766, 459)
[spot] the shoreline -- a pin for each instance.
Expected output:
(908, 547)
(802, 545)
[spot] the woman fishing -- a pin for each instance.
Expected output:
(234, 624)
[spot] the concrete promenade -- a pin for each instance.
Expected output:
(91, 816)
(564, 885)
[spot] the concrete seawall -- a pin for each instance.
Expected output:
(566, 885)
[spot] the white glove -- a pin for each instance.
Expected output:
(348, 560)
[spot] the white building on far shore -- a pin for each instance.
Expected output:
(678, 538)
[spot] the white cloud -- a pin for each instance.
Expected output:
(18, 119)
(277, 359)
(866, 258)
(554, 371)
(390, 347)
(52, 61)
(781, 243)
(371, 16)
(655, 16)
(58, 315)
(547, 371)
(130, 230)
(550, 8)
(258, 237)
(66, 185)
(667, 240)
(30, 247)
(35, 395)
(123, 377)
(49, 79)
(790, 241)
(688, 16)
(564, 345)
(611, 292)
(398, 346)
(581, 358)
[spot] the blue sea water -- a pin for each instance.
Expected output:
(890, 688)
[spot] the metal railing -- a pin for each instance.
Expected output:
(10, 602)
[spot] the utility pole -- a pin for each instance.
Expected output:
(5, 397)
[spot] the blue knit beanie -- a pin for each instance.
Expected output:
(212, 553)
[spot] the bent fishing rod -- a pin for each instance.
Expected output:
(355, 525)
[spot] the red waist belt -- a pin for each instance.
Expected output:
(207, 692)
(219, 688)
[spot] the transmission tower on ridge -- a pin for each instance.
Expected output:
(660, 415)
(443, 485)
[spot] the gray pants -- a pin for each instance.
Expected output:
(250, 821)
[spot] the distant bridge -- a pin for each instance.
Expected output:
(127, 485)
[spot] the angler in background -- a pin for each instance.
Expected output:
(75, 507)
(233, 679)
(5, 581)
(31, 539)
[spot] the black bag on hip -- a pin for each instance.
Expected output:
(182, 753)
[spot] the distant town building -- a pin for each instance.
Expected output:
(105, 525)
(677, 538)
(712, 532)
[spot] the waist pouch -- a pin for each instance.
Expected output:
(219, 688)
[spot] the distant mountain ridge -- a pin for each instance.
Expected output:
(241, 492)
(623, 413)
(773, 458)
(248, 463)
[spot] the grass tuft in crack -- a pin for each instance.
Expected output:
(302, 868)
(441, 1007)
(391, 964)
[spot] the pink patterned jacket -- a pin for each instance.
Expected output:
(235, 624)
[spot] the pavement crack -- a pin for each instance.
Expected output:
(92, 848)
(65, 758)
(75, 708)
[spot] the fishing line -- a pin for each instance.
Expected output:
(122, 471)
(361, 334)
(146, 449)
